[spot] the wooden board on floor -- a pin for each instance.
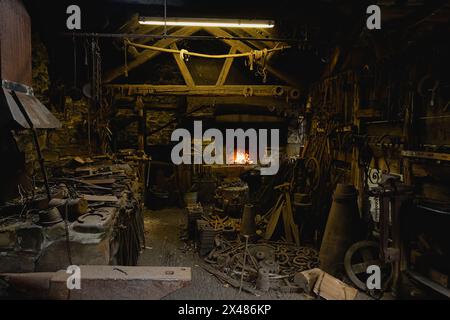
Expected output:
(330, 288)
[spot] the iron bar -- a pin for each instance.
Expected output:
(36, 143)
(162, 36)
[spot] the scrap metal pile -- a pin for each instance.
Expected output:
(262, 265)
(246, 262)
(107, 184)
(204, 225)
(91, 215)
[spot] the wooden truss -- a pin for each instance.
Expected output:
(289, 91)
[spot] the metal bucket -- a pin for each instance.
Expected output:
(190, 198)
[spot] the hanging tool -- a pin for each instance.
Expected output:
(36, 143)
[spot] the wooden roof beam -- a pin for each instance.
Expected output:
(242, 47)
(147, 55)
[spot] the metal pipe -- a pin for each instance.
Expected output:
(433, 210)
(36, 143)
(401, 120)
(162, 36)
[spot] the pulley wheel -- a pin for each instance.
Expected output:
(360, 256)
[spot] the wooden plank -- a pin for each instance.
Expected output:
(426, 155)
(194, 102)
(330, 288)
(293, 226)
(430, 284)
(99, 174)
(74, 207)
(100, 282)
(273, 221)
(307, 279)
(438, 277)
(287, 224)
(183, 68)
(368, 114)
(226, 68)
(99, 198)
(147, 55)
(199, 90)
(248, 118)
(84, 169)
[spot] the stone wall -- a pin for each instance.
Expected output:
(159, 111)
(156, 119)
(126, 129)
(127, 135)
(71, 138)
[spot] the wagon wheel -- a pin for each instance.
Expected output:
(312, 170)
(361, 255)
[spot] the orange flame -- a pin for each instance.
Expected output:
(242, 158)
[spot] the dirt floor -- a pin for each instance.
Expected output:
(164, 247)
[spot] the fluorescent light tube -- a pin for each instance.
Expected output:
(195, 22)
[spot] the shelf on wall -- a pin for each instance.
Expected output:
(429, 283)
(426, 155)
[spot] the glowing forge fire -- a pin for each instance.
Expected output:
(242, 158)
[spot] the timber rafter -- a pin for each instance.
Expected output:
(222, 35)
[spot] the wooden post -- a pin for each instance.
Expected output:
(183, 68)
(357, 174)
(226, 68)
(141, 135)
(141, 129)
